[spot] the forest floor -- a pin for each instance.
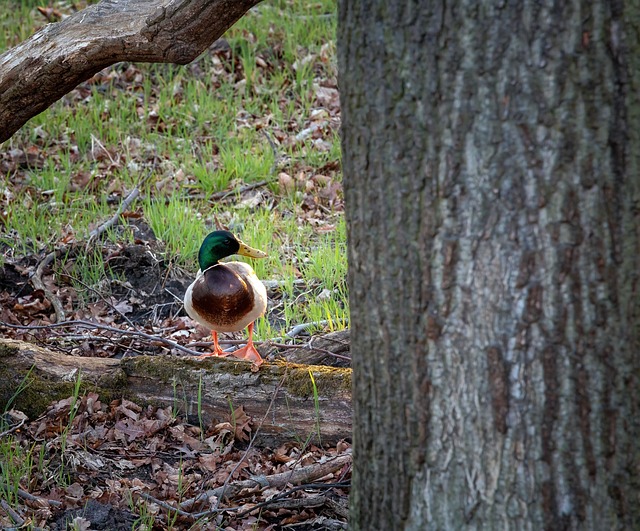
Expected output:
(104, 201)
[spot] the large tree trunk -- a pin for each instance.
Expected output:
(491, 159)
(42, 69)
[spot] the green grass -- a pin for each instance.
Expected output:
(196, 130)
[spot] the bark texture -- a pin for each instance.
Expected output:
(42, 69)
(491, 153)
(281, 393)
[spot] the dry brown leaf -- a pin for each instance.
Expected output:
(242, 424)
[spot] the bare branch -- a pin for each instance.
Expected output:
(42, 69)
(300, 476)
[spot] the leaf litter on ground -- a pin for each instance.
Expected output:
(110, 453)
(64, 178)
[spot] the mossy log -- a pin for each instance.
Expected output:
(281, 393)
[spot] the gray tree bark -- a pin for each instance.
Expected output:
(42, 69)
(491, 155)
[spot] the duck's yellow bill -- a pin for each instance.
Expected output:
(245, 250)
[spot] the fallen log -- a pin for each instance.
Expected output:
(281, 393)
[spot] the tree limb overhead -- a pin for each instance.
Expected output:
(53, 61)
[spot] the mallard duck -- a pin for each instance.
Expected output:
(226, 296)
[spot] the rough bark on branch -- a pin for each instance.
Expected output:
(173, 380)
(42, 69)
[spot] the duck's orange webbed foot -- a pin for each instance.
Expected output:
(249, 351)
(217, 351)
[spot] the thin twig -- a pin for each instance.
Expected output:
(219, 196)
(95, 140)
(274, 149)
(165, 505)
(307, 346)
(14, 428)
(295, 477)
(272, 343)
(37, 282)
(273, 284)
(298, 329)
(168, 342)
(253, 438)
(36, 279)
(108, 303)
(133, 194)
(89, 324)
(30, 497)
(15, 517)
(276, 500)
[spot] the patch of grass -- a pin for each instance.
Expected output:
(178, 225)
(146, 519)
(63, 477)
(199, 129)
(15, 464)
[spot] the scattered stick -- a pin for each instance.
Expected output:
(307, 346)
(36, 279)
(94, 140)
(15, 517)
(14, 427)
(274, 284)
(219, 196)
(253, 438)
(37, 282)
(30, 497)
(300, 476)
(88, 324)
(198, 499)
(274, 149)
(298, 329)
(279, 501)
(133, 194)
(165, 505)
(108, 303)
(127, 334)
(272, 343)
(189, 504)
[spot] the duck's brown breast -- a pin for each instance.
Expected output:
(221, 296)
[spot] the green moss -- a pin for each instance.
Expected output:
(166, 369)
(162, 368)
(329, 380)
(7, 351)
(41, 392)
(109, 387)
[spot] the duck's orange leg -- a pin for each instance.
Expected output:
(217, 351)
(249, 352)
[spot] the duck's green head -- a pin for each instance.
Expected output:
(220, 244)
